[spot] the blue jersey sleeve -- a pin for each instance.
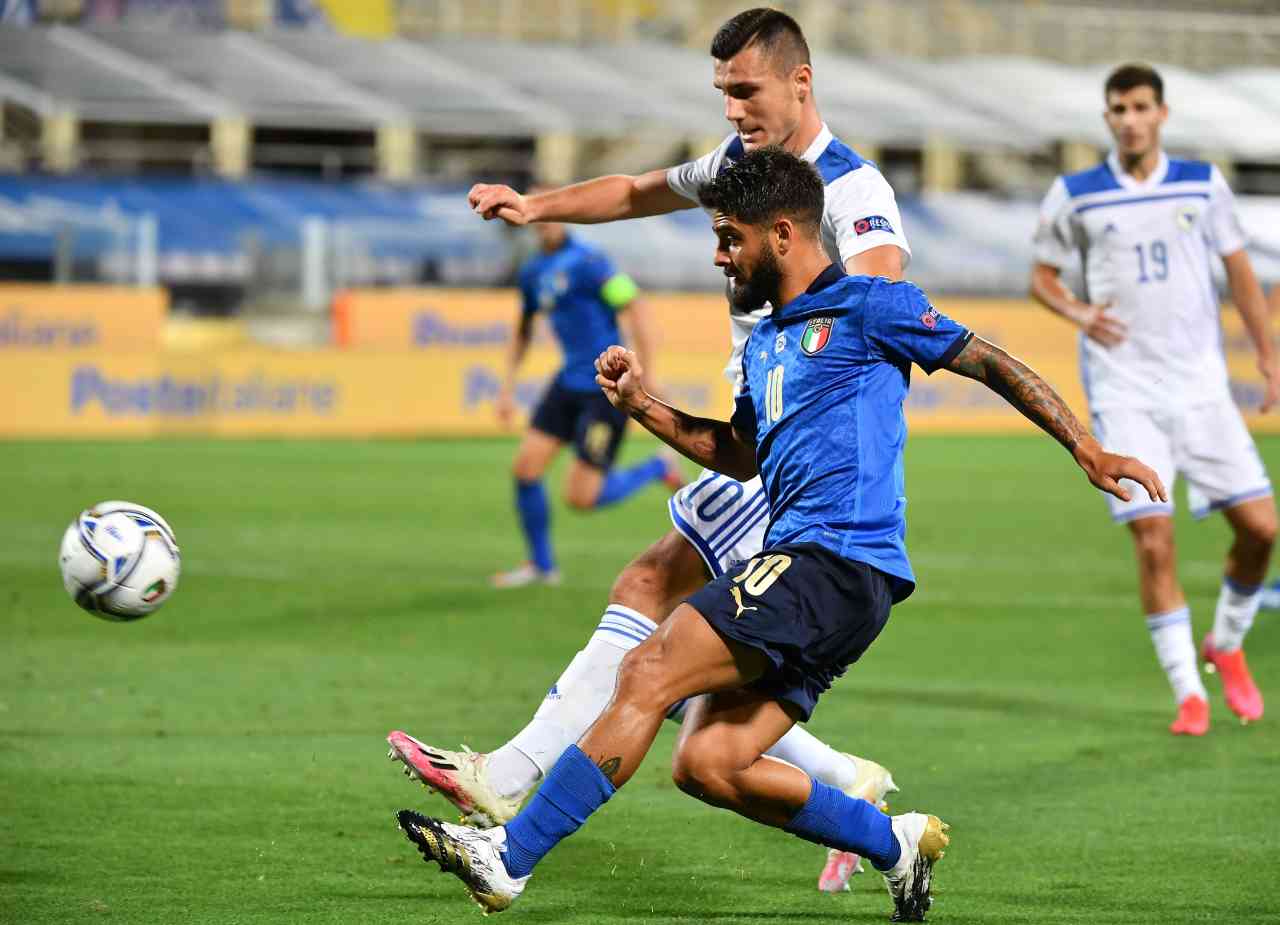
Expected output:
(905, 328)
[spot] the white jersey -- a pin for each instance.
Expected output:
(1145, 249)
(859, 212)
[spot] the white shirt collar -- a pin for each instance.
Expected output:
(814, 151)
(1130, 182)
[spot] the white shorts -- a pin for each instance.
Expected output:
(723, 519)
(1208, 445)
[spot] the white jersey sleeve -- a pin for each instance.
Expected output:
(1053, 241)
(861, 213)
(1226, 235)
(685, 179)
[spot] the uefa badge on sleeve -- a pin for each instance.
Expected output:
(817, 333)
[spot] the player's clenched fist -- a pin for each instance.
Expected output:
(619, 375)
(496, 201)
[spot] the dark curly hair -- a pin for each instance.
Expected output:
(767, 183)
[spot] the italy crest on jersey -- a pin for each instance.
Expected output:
(816, 335)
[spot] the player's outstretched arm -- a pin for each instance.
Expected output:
(713, 444)
(604, 199)
(1019, 385)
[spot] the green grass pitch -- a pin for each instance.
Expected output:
(223, 761)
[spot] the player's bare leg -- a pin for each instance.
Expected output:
(1254, 525)
(582, 484)
(713, 755)
(719, 756)
(533, 457)
(683, 658)
(1169, 621)
(719, 759)
(587, 486)
(489, 788)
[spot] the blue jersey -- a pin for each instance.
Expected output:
(580, 291)
(825, 379)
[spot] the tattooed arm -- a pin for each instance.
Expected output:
(1019, 385)
(710, 443)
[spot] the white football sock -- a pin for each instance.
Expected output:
(571, 706)
(1176, 652)
(1237, 606)
(815, 757)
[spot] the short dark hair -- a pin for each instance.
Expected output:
(1127, 76)
(766, 184)
(778, 35)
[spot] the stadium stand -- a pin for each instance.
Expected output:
(199, 119)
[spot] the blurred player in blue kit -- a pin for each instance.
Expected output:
(1147, 228)
(585, 299)
(820, 419)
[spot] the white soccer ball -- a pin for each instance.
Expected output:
(119, 560)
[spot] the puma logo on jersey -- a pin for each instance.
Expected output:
(737, 599)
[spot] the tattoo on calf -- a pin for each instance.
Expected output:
(610, 767)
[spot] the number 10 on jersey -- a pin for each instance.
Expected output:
(773, 395)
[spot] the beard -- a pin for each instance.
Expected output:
(751, 294)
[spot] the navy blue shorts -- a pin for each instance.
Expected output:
(812, 612)
(585, 419)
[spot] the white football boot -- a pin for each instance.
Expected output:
(459, 777)
(524, 575)
(922, 839)
(472, 855)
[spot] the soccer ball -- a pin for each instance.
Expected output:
(119, 560)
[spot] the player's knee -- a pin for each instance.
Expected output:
(659, 578)
(1154, 544)
(701, 773)
(524, 469)
(580, 497)
(640, 586)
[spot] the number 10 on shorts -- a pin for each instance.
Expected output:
(760, 573)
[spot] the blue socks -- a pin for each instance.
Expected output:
(573, 790)
(837, 820)
(622, 483)
(535, 520)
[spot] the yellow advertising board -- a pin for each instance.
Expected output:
(467, 319)
(80, 318)
(430, 362)
(257, 392)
